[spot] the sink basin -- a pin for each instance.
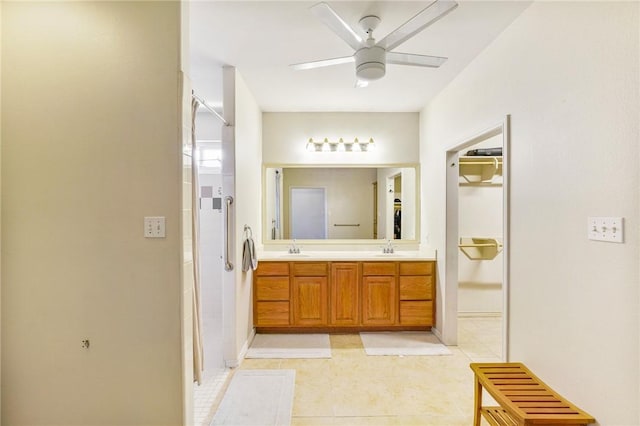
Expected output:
(390, 255)
(294, 255)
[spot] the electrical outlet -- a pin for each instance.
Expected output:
(610, 229)
(154, 227)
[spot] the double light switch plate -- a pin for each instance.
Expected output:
(154, 227)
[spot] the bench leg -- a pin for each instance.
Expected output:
(477, 402)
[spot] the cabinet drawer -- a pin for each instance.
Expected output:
(272, 288)
(415, 287)
(310, 269)
(378, 268)
(416, 268)
(418, 312)
(272, 268)
(272, 313)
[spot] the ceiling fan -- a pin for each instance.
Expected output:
(370, 57)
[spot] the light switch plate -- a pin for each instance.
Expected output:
(154, 227)
(610, 229)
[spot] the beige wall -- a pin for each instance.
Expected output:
(567, 72)
(241, 175)
(286, 133)
(90, 147)
(248, 200)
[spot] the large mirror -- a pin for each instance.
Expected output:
(340, 202)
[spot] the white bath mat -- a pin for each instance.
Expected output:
(403, 343)
(290, 346)
(257, 398)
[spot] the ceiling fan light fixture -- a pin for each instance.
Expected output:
(370, 63)
(370, 57)
(370, 71)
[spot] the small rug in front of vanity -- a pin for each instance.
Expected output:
(290, 346)
(257, 398)
(403, 343)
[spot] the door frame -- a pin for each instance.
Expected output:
(450, 326)
(390, 193)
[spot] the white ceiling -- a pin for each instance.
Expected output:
(261, 38)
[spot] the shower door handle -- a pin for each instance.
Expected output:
(228, 266)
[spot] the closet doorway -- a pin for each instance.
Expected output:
(476, 272)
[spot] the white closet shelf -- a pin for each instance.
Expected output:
(479, 169)
(480, 248)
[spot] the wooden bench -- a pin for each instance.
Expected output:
(524, 399)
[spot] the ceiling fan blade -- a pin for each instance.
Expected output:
(331, 19)
(416, 60)
(423, 19)
(322, 63)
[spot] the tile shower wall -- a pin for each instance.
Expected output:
(211, 267)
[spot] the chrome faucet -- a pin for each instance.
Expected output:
(388, 248)
(294, 249)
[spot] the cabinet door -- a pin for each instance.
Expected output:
(309, 301)
(379, 300)
(345, 297)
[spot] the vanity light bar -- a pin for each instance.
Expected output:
(340, 145)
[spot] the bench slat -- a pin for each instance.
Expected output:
(532, 386)
(549, 410)
(506, 375)
(514, 381)
(539, 404)
(496, 416)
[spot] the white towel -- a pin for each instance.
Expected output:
(249, 260)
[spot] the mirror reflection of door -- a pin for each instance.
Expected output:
(308, 213)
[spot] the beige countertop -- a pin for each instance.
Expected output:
(346, 255)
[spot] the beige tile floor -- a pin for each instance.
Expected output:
(352, 388)
(480, 338)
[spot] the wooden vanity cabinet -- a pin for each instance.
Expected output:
(271, 295)
(309, 294)
(379, 293)
(347, 296)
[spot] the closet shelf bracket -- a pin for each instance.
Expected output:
(476, 248)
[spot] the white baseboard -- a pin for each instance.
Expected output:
(249, 341)
(436, 333)
(233, 363)
(478, 314)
